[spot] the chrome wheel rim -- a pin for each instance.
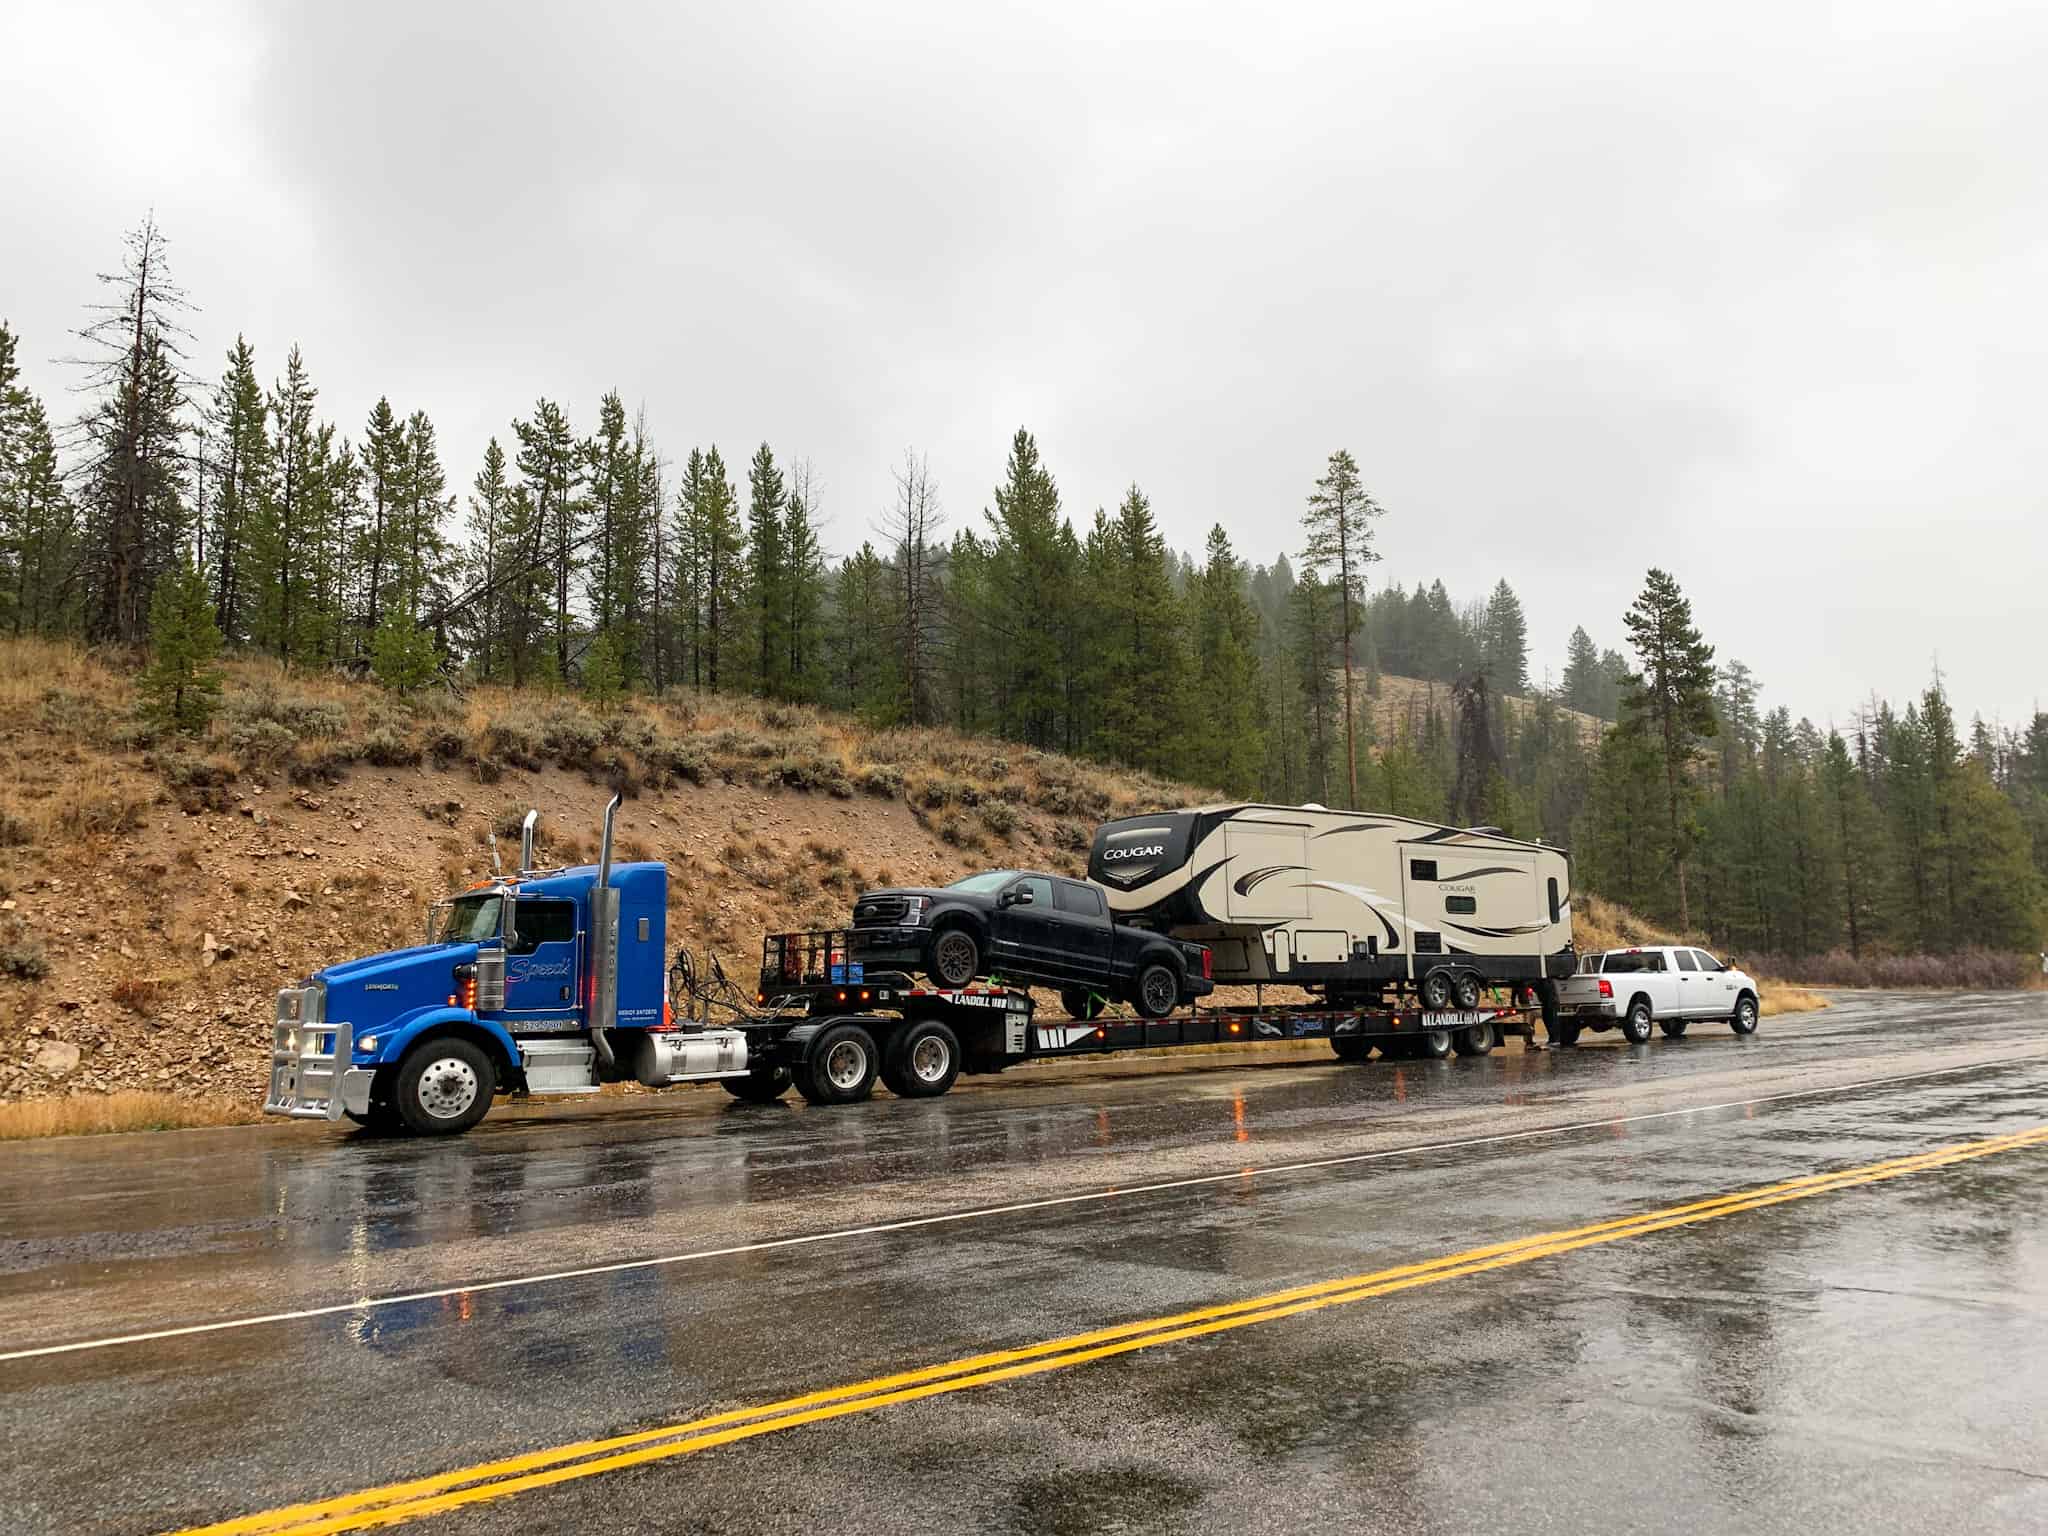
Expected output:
(846, 1064)
(1746, 1012)
(448, 1087)
(929, 1059)
(1479, 1038)
(1439, 1042)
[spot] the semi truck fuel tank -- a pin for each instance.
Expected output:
(680, 1056)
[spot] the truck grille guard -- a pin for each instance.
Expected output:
(308, 1056)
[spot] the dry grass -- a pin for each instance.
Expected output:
(109, 1113)
(1778, 998)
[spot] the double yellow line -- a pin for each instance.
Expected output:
(395, 1503)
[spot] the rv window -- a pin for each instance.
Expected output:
(1422, 869)
(1462, 906)
(544, 922)
(1081, 900)
(1555, 909)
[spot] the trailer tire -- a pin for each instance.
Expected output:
(1157, 992)
(1083, 1004)
(1635, 1025)
(921, 1060)
(1465, 988)
(1563, 1031)
(1351, 1047)
(1395, 1047)
(1436, 991)
(444, 1086)
(1743, 1020)
(839, 1067)
(1674, 1029)
(758, 1086)
(956, 957)
(1434, 1044)
(1474, 1040)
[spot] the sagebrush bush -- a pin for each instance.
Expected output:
(387, 748)
(881, 779)
(262, 744)
(23, 959)
(303, 717)
(14, 832)
(998, 817)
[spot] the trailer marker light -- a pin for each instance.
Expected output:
(1235, 1026)
(1100, 1035)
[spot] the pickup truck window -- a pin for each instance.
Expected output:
(1687, 960)
(1081, 900)
(544, 922)
(1708, 962)
(1618, 964)
(1040, 889)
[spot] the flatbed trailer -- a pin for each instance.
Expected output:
(831, 1028)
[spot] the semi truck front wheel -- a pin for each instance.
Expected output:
(444, 1086)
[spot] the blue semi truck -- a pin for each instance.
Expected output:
(555, 981)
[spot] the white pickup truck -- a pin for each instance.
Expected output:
(1668, 985)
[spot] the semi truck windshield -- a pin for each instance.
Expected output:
(471, 919)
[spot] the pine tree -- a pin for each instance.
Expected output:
(721, 552)
(1339, 526)
(181, 685)
(1671, 698)
(1583, 685)
(242, 490)
(384, 483)
(423, 552)
(803, 585)
(861, 677)
(489, 523)
(767, 574)
(39, 549)
(279, 542)
(1229, 746)
(1859, 853)
(1505, 651)
(1135, 640)
(1313, 630)
(551, 465)
(402, 653)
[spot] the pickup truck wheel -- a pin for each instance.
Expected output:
(1351, 1047)
(921, 1061)
(1673, 1028)
(1636, 1027)
(1158, 991)
(840, 1066)
(1434, 1044)
(760, 1086)
(956, 958)
(1465, 988)
(1475, 1040)
(1083, 1004)
(444, 1086)
(1436, 991)
(1743, 1020)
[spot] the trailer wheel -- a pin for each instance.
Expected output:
(839, 1068)
(1674, 1029)
(1743, 1020)
(1434, 1044)
(760, 1086)
(1351, 1047)
(921, 1060)
(1395, 1047)
(1563, 1031)
(1436, 991)
(1636, 1027)
(1476, 1040)
(444, 1086)
(956, 958)
(1083, 1004)
(1158, 990)
(1465, 987)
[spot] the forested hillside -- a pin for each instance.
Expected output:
(179, 515)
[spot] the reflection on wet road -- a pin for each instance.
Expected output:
(1867, 1353)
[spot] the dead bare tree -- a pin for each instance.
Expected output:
(911, 531)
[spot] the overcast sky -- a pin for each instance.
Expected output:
(1755, 295)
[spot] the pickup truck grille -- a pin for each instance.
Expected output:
(878, 910)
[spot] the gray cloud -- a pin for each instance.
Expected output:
(1754, 295)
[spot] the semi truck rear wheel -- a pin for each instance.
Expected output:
(921, 1060)
(1158, 990)
(840, 1066)
(444, 1086)
(760, 1086)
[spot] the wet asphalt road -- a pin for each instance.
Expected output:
(1870, 1358)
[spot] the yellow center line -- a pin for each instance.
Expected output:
(394, 1503)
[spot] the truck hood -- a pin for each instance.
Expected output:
(379, 990)
(392, 962)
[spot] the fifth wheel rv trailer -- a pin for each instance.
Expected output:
(1347, 903)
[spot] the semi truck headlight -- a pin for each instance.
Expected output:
(367, 1043)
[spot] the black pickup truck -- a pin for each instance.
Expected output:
(1031, 929)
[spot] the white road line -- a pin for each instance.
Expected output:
(979, 1213)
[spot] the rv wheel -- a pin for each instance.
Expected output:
(1158, 990)
(1466, 989)
(1436, 991)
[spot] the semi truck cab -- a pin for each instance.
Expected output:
(548, 982)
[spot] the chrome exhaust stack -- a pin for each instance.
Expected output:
(526, 842)
(604, 944)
